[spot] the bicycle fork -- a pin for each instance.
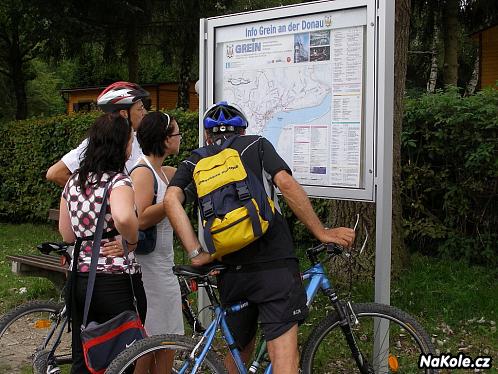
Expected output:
(346, 317)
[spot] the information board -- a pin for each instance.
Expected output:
(302, 80)
(317, 79)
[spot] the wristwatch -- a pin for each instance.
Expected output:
(195, 253)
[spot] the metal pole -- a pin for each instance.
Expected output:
(202, 298)
(385, 69)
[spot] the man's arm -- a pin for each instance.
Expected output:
(181, 224)
(300, 204)
(61, 171)
(58, 173)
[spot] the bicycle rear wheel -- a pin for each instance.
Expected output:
(327, 351)
(23, 331)
(147, 348)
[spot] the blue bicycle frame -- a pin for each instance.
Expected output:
(317, 279)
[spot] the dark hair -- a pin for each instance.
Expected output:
(153, 131)
(106, 149)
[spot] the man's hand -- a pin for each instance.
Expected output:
(343, 236)
(202, 258)
(114, 248)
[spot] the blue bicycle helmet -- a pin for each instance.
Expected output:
(224, 117)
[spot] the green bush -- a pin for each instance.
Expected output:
(450, 174)
(31, 146)
(28, 149)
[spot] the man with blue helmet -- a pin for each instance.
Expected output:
(265, 272)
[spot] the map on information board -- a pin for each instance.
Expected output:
(300, 84)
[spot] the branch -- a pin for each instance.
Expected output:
(5, 72)
(27, 59)
(3, 35)
(423, 52)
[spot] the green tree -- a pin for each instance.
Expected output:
(442, 51)
(24, 31)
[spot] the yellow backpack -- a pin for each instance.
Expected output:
(235, 208)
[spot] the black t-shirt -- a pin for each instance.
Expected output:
(256, 153)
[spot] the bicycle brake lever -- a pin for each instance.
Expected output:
(357, 220)
(365, 241)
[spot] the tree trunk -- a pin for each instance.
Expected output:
(474, 80)
(183, 84)
(431, 84)
(450, 22)
(18, 77)
(189, 38)
(19, 82)
(400, 254)
(342, 213)
(132, 51)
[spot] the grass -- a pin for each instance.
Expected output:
(456, 302)
(22, 239)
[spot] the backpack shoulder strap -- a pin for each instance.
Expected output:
(227, 143)
(156, 186)
(202, 152)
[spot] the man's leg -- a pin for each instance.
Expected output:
(283, 352)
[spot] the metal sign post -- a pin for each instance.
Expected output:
(383, 179)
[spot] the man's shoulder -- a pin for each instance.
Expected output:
(248, 143)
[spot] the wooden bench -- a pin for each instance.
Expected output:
(41, 265)
(47, 266)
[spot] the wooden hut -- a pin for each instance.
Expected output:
(162, 96)
(488, 56)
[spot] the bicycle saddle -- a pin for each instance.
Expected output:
(197, 271)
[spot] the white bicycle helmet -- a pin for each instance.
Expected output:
(120, 95)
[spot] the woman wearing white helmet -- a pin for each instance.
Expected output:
(124, 98)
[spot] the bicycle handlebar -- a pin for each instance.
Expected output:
(60, 249)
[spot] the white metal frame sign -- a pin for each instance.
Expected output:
(317, 79)
(305, 77)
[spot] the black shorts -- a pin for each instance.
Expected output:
(276, 295)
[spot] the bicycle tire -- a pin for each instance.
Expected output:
(23, 331)
(326, 350)
(126, 359)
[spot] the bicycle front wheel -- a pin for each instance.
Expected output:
(23, 331)
(147, 352)
(326, 350)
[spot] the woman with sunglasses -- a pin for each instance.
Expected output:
(159, 137)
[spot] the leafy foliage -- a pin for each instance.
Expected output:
(28, 149)
(43, 92)
(31, 146)
(450, 174)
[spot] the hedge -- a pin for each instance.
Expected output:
(450, 175)
(449, 171)
(31, 146)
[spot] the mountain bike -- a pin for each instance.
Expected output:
(347, 340)
(35, 334)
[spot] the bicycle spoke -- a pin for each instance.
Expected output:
(329, 352)
(22, 334)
